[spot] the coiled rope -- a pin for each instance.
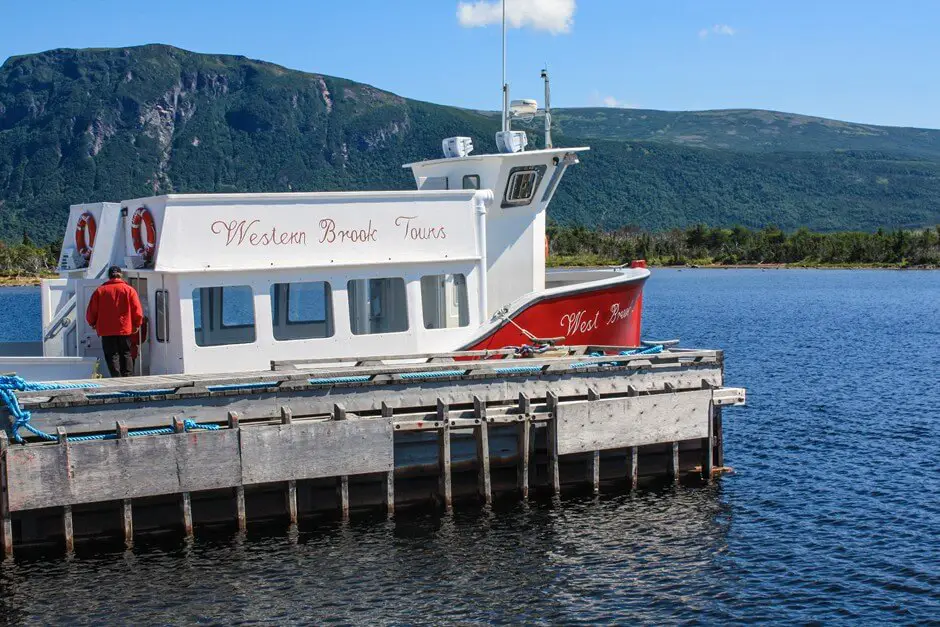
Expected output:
(10, 384)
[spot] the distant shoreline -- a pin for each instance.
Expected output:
(33, 281)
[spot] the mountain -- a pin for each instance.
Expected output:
(747, 130)
(108, 124)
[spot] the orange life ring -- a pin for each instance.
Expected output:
(85, 244)
(144, 242)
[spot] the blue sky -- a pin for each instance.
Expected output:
(862, 60)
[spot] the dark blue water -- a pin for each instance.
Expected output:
(832, 515)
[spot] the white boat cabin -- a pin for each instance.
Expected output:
(230, 282)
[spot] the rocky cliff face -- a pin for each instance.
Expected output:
(85, 125)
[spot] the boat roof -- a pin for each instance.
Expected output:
(524, 155)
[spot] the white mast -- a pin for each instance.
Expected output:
(506, 125)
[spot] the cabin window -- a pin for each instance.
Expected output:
(161, 320)
(377, 306)
(224, 315)
(444, 301)
(520, 189)
(471, 181)
(302, 310)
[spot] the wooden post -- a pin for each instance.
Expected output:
(554, 476)
(127, 508)
(446, 486)
(287, 417)
(633, 467)
(67, 527)
(596, 471)
(524, 445)
(240, 514)
(387, 412)
(7, 523)
(185, 502)
(719, 440)
(707, 444)
(674, 462)
(483, 451)
(343, 488)
(339, 412)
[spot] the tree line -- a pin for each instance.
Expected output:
(27, 259)
(703, 245)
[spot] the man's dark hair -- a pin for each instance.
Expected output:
(114, 272)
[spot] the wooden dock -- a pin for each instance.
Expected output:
(383, 432)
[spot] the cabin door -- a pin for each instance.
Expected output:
(142, 358)
(89, 344)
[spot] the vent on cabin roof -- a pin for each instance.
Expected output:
(457, 147)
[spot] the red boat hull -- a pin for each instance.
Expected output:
(608, 316)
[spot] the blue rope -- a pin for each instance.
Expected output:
(241, 386)
(331, 380)
(431, 375)
(517, 369)
(9, 385)
(652, 350)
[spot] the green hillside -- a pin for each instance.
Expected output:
(108, 124)
(747, 130)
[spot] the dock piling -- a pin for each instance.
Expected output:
(388, 412)
(674, 462)
(632, 469)
(127, 507)
(443, 432)
(483, 450)
(241, 516)
(185, 501)
(67, 527)
(7, 523)
(554, 476)
(524, 444)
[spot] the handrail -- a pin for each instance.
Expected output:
(53, 328)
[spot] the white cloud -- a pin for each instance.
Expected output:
(717, 29)
(599, 100)
(554, 16)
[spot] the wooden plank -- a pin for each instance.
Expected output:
(587, 426)
(309, 449)
(446, 483)
(113, 470)
(554, 477)
(485, 368)
(484, 484)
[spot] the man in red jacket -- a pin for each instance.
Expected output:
(114, 311)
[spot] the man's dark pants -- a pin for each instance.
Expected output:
(117, 354)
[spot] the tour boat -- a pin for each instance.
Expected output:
(230, 282)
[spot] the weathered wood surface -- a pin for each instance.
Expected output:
(54, 475)
(94, 417)
(315, 449)
(605, 424)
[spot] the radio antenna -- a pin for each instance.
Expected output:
(505, 126)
